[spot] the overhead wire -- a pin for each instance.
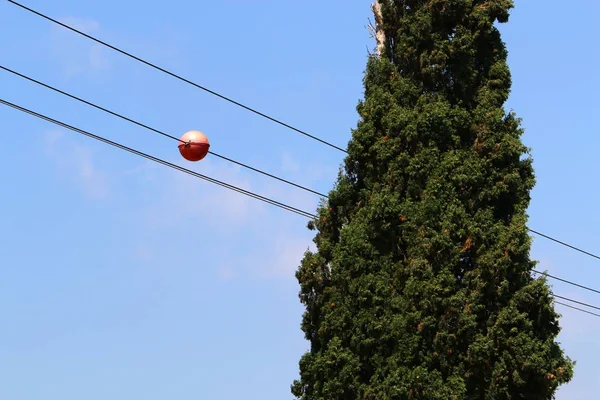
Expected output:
(262, 198)
(565, 244)
(575, 301)
(577, 308)
(227, 158)
(155, 130)
(240, 105)
(566, 281)
(179, 77)
(198, 175)
(160, 161)
(258, 170)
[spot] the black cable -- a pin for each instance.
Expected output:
(155, 130)
(241, 105)
(566, 281)
(160, 161)
(236, 162)
(577, 308)
(195, 174)
(179, 77)
(566, 244)
(575, 301)
(263, 172)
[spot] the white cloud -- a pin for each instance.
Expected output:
(94, 182)
(183, 197)
(81, 24)
(257, 239)
(50, 139)
(75, 161)
(288, 164)
(545, 265)
(226, 273)
(143, 252)
(289, 250)
(98, 59)
(308, 174)
(78, 54)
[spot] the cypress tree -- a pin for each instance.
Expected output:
(421, 285)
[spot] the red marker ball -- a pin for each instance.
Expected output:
(193, 146)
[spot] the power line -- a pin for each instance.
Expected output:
(577, 308)
(154, 130)
(575, 301)
(566, 281)
(260, 171)
(243, 106)
(195, 174)
(163, 162)
(257, 170)
(180, 77)
(566, 244)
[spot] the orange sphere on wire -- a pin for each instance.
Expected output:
(193, 146)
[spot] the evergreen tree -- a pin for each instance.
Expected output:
(421, 286)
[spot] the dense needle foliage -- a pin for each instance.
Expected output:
(421, 287)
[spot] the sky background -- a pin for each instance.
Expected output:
(121, 279)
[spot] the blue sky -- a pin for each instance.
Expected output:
(121, 279)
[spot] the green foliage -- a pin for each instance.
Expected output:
(421, 287)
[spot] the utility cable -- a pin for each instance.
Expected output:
(263, 172)
(566, 244)
(179, 77)
(566, 281)
(231, 160)
(195, 174)
(575, 301)
(577, 308)
(154, 130)
(160, 161)
(237, 103)
(259, 171)
(255, 169)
